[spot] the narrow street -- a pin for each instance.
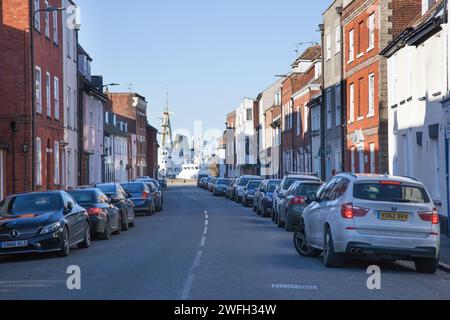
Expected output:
(202, 247)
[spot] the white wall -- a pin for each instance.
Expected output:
(417, 81)
(244, 129)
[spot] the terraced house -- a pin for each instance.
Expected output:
(368, 27)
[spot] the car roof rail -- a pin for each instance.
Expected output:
(303, 173)
(412, 178)
(350, 174)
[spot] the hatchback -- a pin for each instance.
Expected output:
(141, 196)
(390, 218)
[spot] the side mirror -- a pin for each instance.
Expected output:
(114, 200)
(311, 197)
(69, 207)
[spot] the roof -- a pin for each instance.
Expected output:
(312, 53)
(418, 29)
(385, 177)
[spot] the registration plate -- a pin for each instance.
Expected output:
(394, 216)
(14, 244)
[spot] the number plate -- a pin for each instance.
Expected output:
(394, 216)
(14, 244)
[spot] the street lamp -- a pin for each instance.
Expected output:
(33, 89)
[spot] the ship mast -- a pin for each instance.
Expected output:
(167, 139)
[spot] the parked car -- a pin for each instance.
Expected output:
(294, 202)
(230, 188)
(249, 192)
(285, 184)
(158, 187)
(163, 183)
(241, 184)
(143, 200)
(104, 218)
(157, 195)
(42, 222)
(121, 199)
(208, 180)
(220, 187)
(264, 196)
(203, 183)
(211, 184)
(391, 218)
(199, 179)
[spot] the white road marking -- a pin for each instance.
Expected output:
(206, 222)
(198, 259)
(203, 242)
(295, 287)
(205, 232)
(187, 287)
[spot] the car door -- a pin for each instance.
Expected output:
(127, 203)
(289, 195)
(75, 219)
(314, 228)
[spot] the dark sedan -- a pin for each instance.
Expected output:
(42, 222)
(264, 197)
(220, 187)
(120, 199)
(143, 200)
(104, 217)
(249, 192)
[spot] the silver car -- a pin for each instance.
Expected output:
(389, 218)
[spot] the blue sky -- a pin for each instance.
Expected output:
(209, 53)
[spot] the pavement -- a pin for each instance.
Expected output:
(205, 248)
(444, 264)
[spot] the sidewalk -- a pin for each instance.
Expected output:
(445, 254)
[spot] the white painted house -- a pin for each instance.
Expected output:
(245, 137)
(70, 144)
(417, 82)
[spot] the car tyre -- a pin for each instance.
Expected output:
(87, 238)
(119, 227)
(125, 224)
(427, 265)
(331, 259)
(108, 231)
(301, 244)
(65, 250)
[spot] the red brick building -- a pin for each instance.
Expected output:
(31, 97)
(152, 152)
(298, 89)
(368, 27)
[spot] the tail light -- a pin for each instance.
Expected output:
(95, 212)
(145, 194)
(298, 200)
(432, 216)
(348, 211)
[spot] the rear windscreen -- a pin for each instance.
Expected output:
(304, 189)
(133, 187)
(390, 193)
(84, 196)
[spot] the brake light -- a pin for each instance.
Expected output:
(145, 194)
(391, 183)
(297, 200)
(348, 211)
(432, 216)
(95, 212)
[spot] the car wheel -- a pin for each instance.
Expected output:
(132, 224)
(119, 226)
(65, 250)
(301, 244)
(254, 208)
(331, 259)
(427, 265)
(87, 238)
(107, 233)
(125, 225)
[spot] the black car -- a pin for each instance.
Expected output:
(104, 217)
(121, 199)
(220, 187)
(249, 192)
(42, 222)
(200, 177)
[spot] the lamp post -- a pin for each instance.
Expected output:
(33, 86)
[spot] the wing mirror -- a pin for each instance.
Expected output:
(69, 207)
(311, 197)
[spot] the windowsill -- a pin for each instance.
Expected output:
(370, 49)
(350, 61)
(360, 55)
(371, 115)
(360, 118)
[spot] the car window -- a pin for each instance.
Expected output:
(305, 188)
(325, 192)
(339, 188)
(289, 182)
(107, 188)
(82, 196)
(134, 187)
(31, 203)
(390, 193)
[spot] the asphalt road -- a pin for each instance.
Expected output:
(202, 247)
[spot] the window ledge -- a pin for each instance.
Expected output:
(360, 55)
(371, 115)
(370, 49)
(360, 118)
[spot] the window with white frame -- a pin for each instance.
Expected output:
(68, 111)
(353, 160)
(351, 46)
(372, 158)
(329, 114)
(371, 95)
(38, 161)
(337, 38)
(328, 44)
(299, 121)
(48, 94)
(38, 79)
(351, 117)
(318, 70)
(56, 154)
(337, 105)
(37, 16)
(55, 27)
(56, 96)
(47, 20)
(249, 114)
(306, 119)
(371, 31)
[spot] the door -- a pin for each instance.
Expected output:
(74, 219)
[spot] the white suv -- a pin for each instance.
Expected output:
(390, 218)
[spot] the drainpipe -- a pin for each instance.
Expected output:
(323, 128)
(33, 99)
(447, 156)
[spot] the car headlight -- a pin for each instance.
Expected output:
(51, 228)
